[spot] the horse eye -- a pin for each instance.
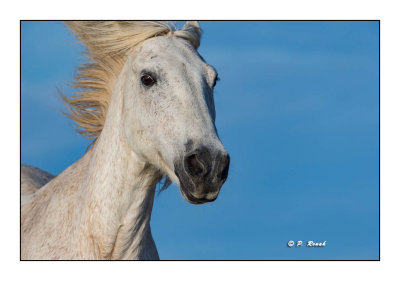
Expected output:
(215, 81)
(147, 80)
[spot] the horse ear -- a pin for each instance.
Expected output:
(193, 27)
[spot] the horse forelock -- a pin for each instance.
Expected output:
(108, 44)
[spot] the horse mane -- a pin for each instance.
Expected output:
(108, 43)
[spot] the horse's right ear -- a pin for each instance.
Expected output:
(193, 27)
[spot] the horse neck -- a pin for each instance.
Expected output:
(120, 189)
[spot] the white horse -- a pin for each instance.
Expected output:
(146, 98)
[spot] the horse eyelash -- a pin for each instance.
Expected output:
(148, 72)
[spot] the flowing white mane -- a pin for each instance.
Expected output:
(108, 43)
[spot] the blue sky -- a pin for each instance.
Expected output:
(297, 109)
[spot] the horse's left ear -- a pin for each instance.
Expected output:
(193, 27)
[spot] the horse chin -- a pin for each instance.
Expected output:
(195, 200)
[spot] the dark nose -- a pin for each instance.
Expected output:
(207, 166)
(197, 165)
(223, 167)
(202, 173)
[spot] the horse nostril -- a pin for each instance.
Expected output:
(194, 166)
(225, 168)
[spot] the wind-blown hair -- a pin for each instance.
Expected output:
(108, 43)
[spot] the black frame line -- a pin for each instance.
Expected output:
(322, 260)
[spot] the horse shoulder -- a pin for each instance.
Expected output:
(32, 179)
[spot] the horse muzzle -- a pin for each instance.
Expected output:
(201, 174)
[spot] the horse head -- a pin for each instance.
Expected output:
(168, 114)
